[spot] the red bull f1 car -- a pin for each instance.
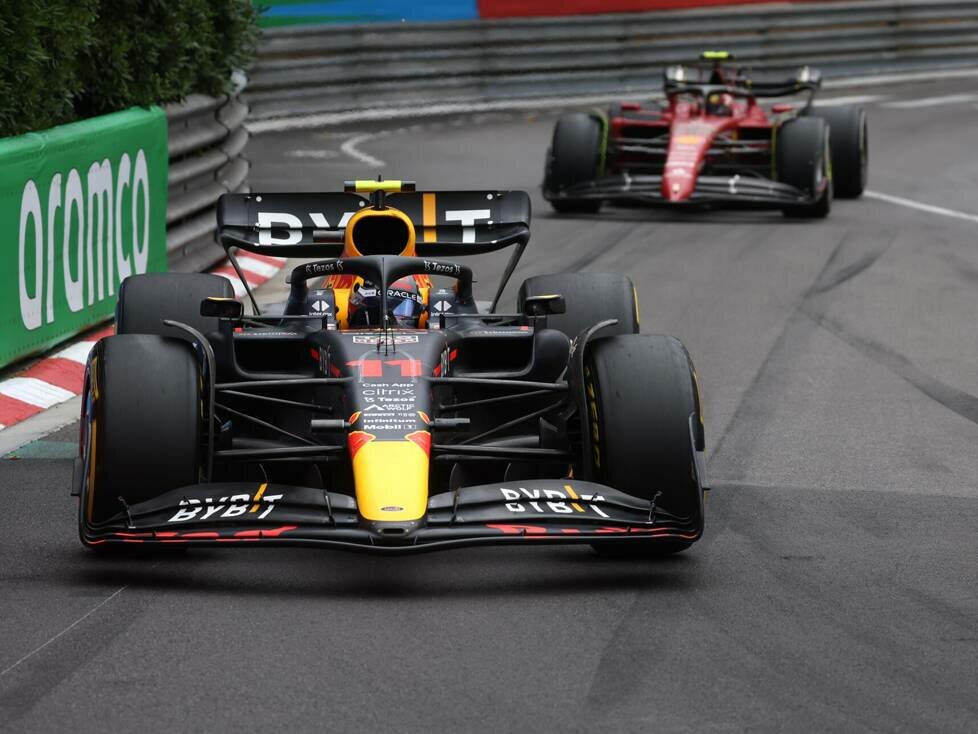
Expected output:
(378, 408)
(712, 143)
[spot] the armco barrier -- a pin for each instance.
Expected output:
(81, 207)
(140, 187)
(317, 69)
(206, 143)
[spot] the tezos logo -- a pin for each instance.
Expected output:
(432, 266)
(336, 266)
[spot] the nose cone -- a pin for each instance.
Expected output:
(678, 184)
(391, 477)
(687, 151)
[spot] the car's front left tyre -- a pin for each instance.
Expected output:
(644, 427)
(849, 144)
(803, 160)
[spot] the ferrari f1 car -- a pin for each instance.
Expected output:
(378, 410)
(712, 143)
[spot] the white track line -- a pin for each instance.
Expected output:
(350, 148)
(319, 155)
(929, 208)
(912, 104)
(854, 99)
(67, 629)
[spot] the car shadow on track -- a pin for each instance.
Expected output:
(463, 575)
(651, 215)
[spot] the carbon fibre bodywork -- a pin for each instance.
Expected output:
(540, 511)
(471, 429)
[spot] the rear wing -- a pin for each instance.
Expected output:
(447, 223)
(697, 79)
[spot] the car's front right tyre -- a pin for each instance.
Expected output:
(142, 424)
(574, 158)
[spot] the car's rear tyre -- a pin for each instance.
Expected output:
(145, 300)
(142, 424)
(803, 160)
(849, 143)
(642, 395)
(590, 298)
(574, 157)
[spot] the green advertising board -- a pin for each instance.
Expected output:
(82, 206)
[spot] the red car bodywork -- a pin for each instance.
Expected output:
(685, 138)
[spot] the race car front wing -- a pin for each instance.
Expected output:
(538, 511)
(748, 191)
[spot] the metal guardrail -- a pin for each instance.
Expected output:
(332, 68)
(207, 142)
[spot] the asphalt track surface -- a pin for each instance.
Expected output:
(836, 588)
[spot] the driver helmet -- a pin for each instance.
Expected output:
(405, 305)
(718, 105)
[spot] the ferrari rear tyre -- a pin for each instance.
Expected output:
(142, 424)
(590, 298)
(803, 160)
(145, 300)
(574, 157)
(849, 143)
(646, 423)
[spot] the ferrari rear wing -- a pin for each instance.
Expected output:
(448, 223)
(703, 80)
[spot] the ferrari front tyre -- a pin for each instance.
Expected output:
(145, 300)
(849, 143)
(574, 158)
(142, 423)
(590, 298)
(803, 160)
(644, 411)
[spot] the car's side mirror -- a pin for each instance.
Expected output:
(544, 305)
(221, 308)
